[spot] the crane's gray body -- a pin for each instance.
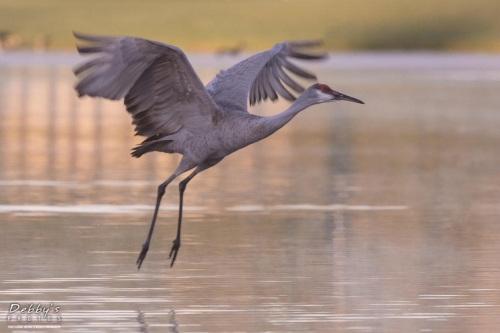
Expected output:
(177, 114)
(234, 131)
(231, 133)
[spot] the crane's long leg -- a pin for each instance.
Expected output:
(182, 187)
(177, 240)
(184, 166)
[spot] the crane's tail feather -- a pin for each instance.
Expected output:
(147, 147)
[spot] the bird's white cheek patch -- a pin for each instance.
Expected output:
(323, 97)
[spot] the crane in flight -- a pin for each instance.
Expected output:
(176, 113)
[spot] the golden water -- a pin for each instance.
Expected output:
(381, 217)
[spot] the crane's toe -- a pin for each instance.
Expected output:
(175, 249)
(142, 255)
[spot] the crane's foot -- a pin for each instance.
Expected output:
(175, 249)
(142, 255)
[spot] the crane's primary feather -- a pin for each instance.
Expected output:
(262, 76)
(161, 89)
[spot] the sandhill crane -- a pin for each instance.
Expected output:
(176, 113)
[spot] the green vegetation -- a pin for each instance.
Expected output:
(208, 25)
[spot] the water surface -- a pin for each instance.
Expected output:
(353, 218)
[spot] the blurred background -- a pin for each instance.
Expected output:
(380, 217)
(212, 25)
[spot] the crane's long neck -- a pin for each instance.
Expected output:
(243, 129)
(273, 123)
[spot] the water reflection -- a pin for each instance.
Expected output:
(348, 219)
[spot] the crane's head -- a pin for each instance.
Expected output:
(325, 94)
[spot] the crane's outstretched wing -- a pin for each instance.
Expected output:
(262, 76)
(161, 89)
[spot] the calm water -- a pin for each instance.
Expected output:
(374, 218)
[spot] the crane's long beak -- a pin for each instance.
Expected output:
(341, 97)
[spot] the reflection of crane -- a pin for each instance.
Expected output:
(177, 114)
(142, 322)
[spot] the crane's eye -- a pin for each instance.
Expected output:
(323, 88)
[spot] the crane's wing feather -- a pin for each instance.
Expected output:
(262, 76)
(161, 89)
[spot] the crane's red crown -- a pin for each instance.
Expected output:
(323, 88)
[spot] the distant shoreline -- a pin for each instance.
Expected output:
(336, 60)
